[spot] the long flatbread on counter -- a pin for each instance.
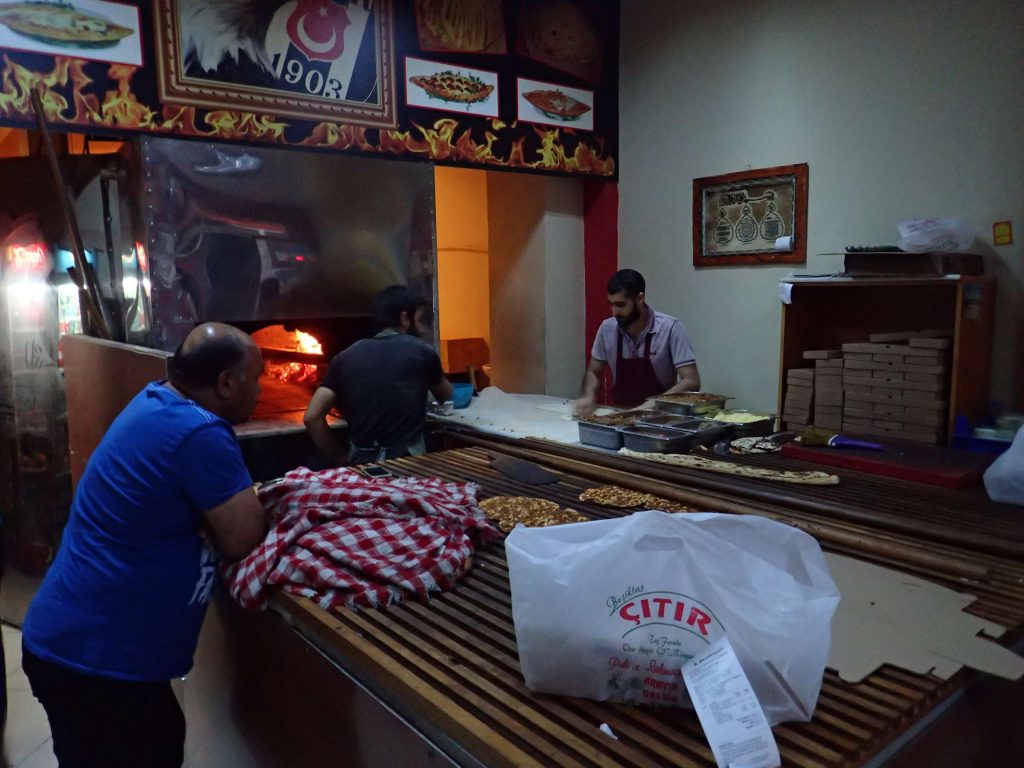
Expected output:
(727, 468)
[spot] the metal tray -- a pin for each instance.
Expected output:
(672, 439)
(600, 436)
(761, 428)
(664, 419)
(690, 409)
(611, 420)
(658, 440)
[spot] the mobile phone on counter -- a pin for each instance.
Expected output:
(375, 470)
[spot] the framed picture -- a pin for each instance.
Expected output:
(450, 88)
(88, 29)
(322, 60)
(553, 104)
(461, 26)
(751, 217)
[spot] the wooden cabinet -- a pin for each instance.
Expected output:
(827, 313)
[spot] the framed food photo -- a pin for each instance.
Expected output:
(450, 88)
(751, 217)
(553, 104)
(96, 30)
(322, 60)
(461, 26)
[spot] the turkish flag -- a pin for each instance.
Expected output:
(317, 28)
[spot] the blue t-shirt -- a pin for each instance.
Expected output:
(128, 590)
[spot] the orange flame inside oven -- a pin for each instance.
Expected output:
(294, 372)
(121, 109)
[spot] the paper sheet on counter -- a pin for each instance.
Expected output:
(889, 617)
(497, 412)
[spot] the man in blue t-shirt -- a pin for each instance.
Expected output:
(119, 612)
(381, 385)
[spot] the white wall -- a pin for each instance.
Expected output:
(535, 233)
(901, 108)
(563, 287)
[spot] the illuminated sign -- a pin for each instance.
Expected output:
(27, 258)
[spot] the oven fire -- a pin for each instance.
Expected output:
(292, 357)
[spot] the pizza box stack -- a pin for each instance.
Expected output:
(796, 410)
(897, 385)
(828, 387)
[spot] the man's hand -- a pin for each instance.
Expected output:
(584, 407)
(648, 405)
(587, 403)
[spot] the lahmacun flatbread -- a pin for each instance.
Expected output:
(509, 511)
(625, 498)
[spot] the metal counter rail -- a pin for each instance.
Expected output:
(450, 666)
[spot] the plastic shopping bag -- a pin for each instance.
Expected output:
(611, 609)
(1004, 479)
(935, 235)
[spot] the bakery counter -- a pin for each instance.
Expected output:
(498, 413)
(438, 682)
(962, 518)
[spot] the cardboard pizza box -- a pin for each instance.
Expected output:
(925, 343)
(930, 333)
(822, 354)
(896, 376)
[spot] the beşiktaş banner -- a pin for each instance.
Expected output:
(525, 84)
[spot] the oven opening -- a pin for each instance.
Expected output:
(295, 364)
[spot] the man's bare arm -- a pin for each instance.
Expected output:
(237, 525)
(687, 380)
(443, 390)
(315, 420)
(587, 402)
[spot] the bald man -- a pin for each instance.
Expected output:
(119, 612)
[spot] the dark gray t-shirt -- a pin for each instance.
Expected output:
(381, 385)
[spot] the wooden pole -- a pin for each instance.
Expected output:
(82, 276)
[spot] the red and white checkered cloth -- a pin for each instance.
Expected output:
(342, 539)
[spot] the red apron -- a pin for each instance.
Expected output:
(634, 377)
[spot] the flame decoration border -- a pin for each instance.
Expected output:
(90, 96)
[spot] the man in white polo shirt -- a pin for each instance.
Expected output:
(648, 351)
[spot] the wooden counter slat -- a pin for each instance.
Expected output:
(408, 691)
(552, 713)
(452, 664)
(491, 689)
(920, 510)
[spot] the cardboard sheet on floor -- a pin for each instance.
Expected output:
(888, 617)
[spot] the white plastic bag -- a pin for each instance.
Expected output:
(611, 609)
(935, 235)
(1004, 479)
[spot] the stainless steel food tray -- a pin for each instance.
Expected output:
(760, 428)
(690, 409)
(600, 435)
(670, 440)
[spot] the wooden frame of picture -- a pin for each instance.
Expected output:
(319, 102)
(739, 218)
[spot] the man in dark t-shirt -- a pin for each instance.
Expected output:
(381, 386)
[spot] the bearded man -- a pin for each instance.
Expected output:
(648, 351)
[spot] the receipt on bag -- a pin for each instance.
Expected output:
(732, 718)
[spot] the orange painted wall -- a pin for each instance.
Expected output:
(13, 142)
(463, 287)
